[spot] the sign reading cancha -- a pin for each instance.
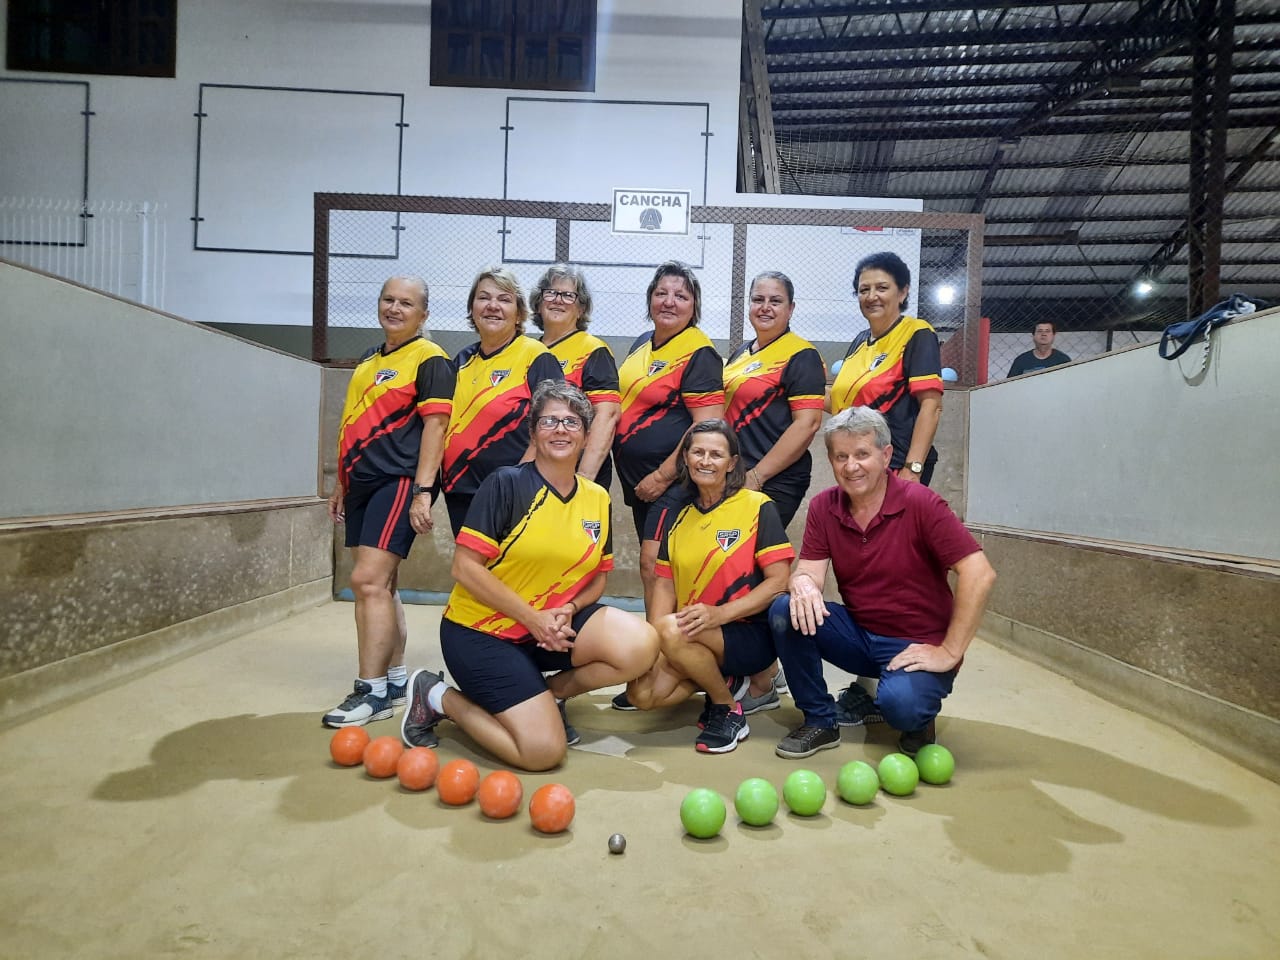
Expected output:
(651, 211)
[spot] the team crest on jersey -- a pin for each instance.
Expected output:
(497, 376)
(727, 538)
(752, 368)
(564, 365)
(382, 376)
(657, 367)
(878, 360)
(593, 529)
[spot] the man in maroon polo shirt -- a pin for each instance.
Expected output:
(890, 545)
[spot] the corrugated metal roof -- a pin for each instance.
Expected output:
(1064, 122)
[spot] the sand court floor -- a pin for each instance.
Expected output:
(194, 812)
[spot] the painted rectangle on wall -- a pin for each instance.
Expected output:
(45, 145)
(340, 141)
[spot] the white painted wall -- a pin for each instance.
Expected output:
(1133, 448)
(143, 131)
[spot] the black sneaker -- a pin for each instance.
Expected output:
(359, 708)
(807, 740)
(855, 707)
(738, 687)
(911, 741)
(571, 735)
(620, 702)
(417, 726)
(396, 693)
(726, 726)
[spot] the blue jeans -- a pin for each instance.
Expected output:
(908, 701)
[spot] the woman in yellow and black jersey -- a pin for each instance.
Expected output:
(390, 441)
(489, 424)
(560, 305)
(773, 387)
(894, 367)
(530, 567)
(671, 379)
(722, 561)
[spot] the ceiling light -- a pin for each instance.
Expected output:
(945, 294)
(1143, 287)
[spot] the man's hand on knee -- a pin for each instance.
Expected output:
(924, 656)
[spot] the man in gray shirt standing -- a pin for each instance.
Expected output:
(1042, 355)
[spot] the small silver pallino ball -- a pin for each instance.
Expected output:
(617, 843)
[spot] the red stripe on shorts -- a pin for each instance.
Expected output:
(397, 508)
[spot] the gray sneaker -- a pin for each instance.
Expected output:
(417, 726)
(359, 708)
(766, 701)
(807, 740)
(780, 681)
(571, 735)
(855, 707)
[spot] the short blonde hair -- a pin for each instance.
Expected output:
(505, 280)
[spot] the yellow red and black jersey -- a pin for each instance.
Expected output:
(717, 555)
(545, 547)
(389, 394)
(763, 390)
(489, 426)
(588, 364)
(887, 374)
(660, 386)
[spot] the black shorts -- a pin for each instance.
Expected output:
(497, 674)
(377, 515)
(651, 519)
(748, 647)
(787, 502)
(457, 504)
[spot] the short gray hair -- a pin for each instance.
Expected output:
(548, 390)
(561, 271)
(413, 279)
(858, 421)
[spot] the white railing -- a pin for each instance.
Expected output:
(117, 246)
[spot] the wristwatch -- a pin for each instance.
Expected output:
(419, 489)
(916, 467)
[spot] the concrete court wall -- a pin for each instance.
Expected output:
(158, 490)
(1129, 505)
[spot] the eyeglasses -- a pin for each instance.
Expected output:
(567, 296)
(572, 424)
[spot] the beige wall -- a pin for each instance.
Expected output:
(164, 496)
(1135, 554)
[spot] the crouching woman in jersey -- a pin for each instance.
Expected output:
(720, 563)
(530, 567)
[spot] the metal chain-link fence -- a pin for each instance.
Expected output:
(362, 239)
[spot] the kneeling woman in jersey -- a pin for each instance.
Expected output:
(530, 566)
(720, 563)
